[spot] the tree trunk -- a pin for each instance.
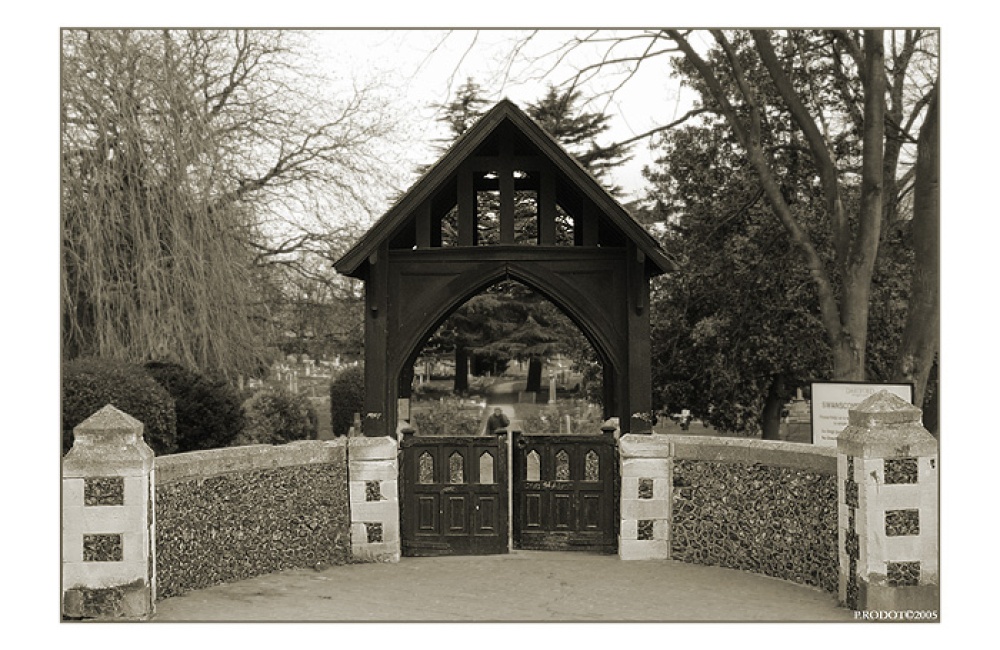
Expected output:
(919, 344)
(534, 375)
(461, 370)
(771, 416)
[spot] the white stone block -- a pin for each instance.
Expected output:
(113, 519)
(134, 546)
(390, 490)
(645, 509)
(374, 511)
(100, 575)
(370, 470)
(72, 492)
(645, 467)
(136, 491)
(629, 529)
(362, 448)
(927, 473)
(390, 530)
(655, 549)
(661, 529)
(72, 545)
(356, 490)
(895, 497)
(385, 552)
(906, 548)
(644, 446)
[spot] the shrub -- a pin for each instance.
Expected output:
(584, 418)
(88, 385)
(209, 413)
(448, 418)
(275, 416)
(347, 397)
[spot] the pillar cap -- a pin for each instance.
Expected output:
(110, 440)
(885, 425)
(107, 422)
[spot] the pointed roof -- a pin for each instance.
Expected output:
(437, 175)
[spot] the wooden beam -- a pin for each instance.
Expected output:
(506, 206)
(466, 208)
(589, 220)
(377, 296)
(547, 209)
(423, 225)
(639, 382)
(492, 164)
(506, 179)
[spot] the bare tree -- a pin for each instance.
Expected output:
(189, 160)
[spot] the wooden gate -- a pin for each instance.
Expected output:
(454, 495)
(564, 492)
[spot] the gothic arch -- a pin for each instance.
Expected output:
(414, 278)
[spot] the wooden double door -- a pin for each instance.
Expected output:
(458, 495)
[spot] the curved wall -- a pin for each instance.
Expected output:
(229, 514)
(760, 506)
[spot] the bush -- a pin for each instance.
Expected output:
(584, 418)
(347, 397)
(448, 418)
(209, 413)
(88, 385)
(275, 416)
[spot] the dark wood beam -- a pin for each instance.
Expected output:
(466, 208)
(423, 225)
(547, 209)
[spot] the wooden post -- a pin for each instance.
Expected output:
(506, 180)
(590, 225)
(377, 409)
(423, 225)
(547, 208)
(639, 415)
(466, 208)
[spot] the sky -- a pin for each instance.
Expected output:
(424, 68)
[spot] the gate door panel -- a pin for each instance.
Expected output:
(564, 493)
(454, 495)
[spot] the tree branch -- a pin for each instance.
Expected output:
(817, 143)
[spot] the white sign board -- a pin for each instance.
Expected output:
(831, 401)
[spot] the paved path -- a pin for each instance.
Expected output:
(523, 586)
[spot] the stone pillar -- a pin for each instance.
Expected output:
(373, 471)
(887, 470)
(108, 520)
(645, 497)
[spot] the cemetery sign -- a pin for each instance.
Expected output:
(832, 400)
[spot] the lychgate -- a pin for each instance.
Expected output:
(549, 225)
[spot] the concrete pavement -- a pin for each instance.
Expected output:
(523, 586)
